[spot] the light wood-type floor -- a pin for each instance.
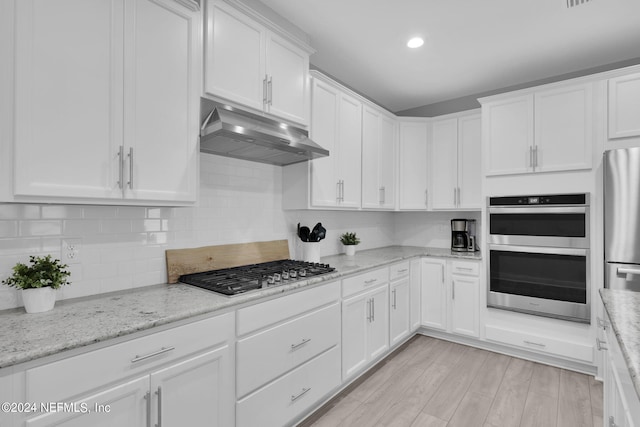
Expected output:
(434, 383)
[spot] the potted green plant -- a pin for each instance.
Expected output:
(38, 282)
(349, 241)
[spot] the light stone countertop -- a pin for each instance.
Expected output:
(83, 321)
(623, 308)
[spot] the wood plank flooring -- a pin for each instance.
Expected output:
(435, 383)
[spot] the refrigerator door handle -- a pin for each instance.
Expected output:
(628, 271)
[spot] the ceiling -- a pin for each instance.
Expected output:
(471, 47)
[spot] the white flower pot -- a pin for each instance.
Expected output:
(350, 250)
(38, 300)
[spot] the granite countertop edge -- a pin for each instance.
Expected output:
(89, 320)
(622, 308)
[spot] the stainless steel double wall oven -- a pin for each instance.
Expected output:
(539, 255)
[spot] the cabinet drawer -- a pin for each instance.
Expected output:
(270, 353)
(69, 377)
(261, 315)
(353, 285)
(399, 270)
(539, 343)
(465, 268)
(291, 395)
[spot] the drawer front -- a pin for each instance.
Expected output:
(353, 285)
(69, 377)
(397, 271)
(267, 313)
(291, 395)
(540, 344)
(270, 353)
(465, 268)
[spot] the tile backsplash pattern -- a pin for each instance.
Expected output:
(123, 247)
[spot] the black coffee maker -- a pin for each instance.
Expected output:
(463, 235)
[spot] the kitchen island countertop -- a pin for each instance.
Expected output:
(622, 308)
(83, 321)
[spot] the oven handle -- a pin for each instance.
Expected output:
(538, 210)
(540, 250)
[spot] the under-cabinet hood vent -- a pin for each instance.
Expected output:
(230, 132)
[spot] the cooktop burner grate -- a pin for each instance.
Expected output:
(237, 280)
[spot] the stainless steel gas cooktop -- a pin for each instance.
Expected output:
(238, 280)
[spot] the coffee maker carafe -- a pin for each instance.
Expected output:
(463, 235)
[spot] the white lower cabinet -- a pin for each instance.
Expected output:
(434, 293)
(288, 355)
(399, 304)
(451, 296)
(365, 329)
(621, 403)
(159, 379)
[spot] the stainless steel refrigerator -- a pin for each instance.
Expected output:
(622, 218)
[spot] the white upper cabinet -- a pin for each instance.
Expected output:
(247, 63)
(624, 106)
(455, 163)
(378, 159)
(336, 125)
(106, 102)
(444, 164)
(549, 130)
(413, 178)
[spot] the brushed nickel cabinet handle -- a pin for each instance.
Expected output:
(370, 281)
(131, 168)
(121, 167)
(264, 90)
(270, 90)
(299, 395)
(159, 394)
(147, 397)
(155, 353)
(537, 344)
(300, 344)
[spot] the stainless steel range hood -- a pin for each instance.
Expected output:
(228, 131)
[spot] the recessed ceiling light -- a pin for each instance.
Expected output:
(415, 42)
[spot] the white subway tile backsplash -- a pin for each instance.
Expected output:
(62, 212)
(13, 211)
(39, 228)
(8, 229)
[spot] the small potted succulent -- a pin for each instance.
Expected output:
(38, 282)
(349, 240)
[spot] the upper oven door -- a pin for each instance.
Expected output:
(557, 226)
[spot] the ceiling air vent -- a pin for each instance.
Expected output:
(574, 3)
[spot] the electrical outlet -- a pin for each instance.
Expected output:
(71, 250)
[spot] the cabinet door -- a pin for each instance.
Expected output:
(415, 293)
(287, 69)
(508, 136)
(68, 105)
(356, 312)
(378, 333)
(434, 295)
(235, 56)
(465, 300)
(563, 128)
(624, 106)
(399, 323)
(349, 151)
(387, 161)
(444, 164)
(196, 392)
(413, 166)
(324, 131)
(161, 100)
(469, 164)
(123, 405)
(371, 141)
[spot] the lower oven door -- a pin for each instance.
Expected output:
(552, 282)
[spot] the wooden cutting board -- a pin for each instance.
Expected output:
(196, 260)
